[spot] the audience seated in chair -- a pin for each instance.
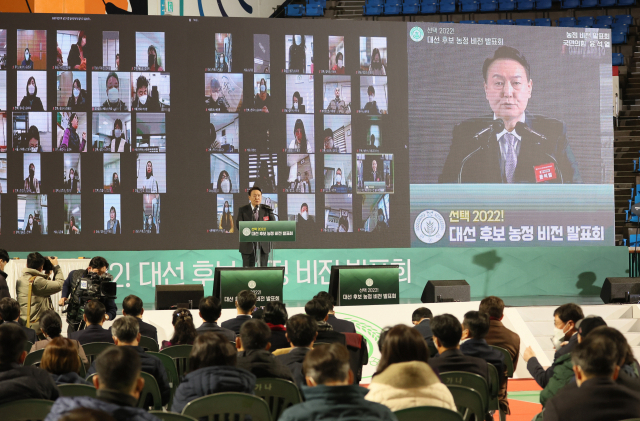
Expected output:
(331, 393)
(212, 365)
(60, 359)
(18, 382)
(253, 352)
(10, 313)
(275, 316)
(319, 310)
(119, 386)
(245, 305)
(302, 331)
(421, 319)
(51, 328)
(86, 414)
(210, 309)
(184, 331)
(339, 325)
(403, 377)
(94, 317)
(132, 305)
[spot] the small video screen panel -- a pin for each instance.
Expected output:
(111, 50)
(300, 133)
(71, 91)
(111, 214)
(71, 132)
(374, 98)
(375, 213)
(111, 173)
(31, 91)
(32, 132)
(271, 200)
(371, 134)
(225, 173)
(150, 52)
(337, 173)
(336, 94)
(31, 170)
(263, 172)
(110, 91)
(3, 132)
(225, 214)
(150, 214)
(3, 90)
(3, 50)
(302, 171)
(338, 213)
(151, 172)
(33, 215)
(150, 92)
(336, 134)
(151, 132)
(261, 54)
(302, 209)
(111, 132)
(224, 133)
(375, 173)
(72, 174)
(336, 55)
(3, 173)
(71, 48)
(223, 58)
(72, 214)
(32, 49)
(262, 99)
(373, 56)
(223, 92)
(299, 54)
(300, 94)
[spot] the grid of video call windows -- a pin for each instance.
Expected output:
(122, 117)
(326, 153)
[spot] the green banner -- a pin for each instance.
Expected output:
(252, 231)
(266, 284)
(369, 286)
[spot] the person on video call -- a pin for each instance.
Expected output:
(31, 101)
(303, 217)
(113, 102)
(76, 59)
(117, 61)
(31, 183)
(115, 183)
(343, 224)
(226, 220)
(71, 140)
(224, 184)
(506, 147)
(149, 225)
(59, 59)
(340, 185)
(254, 212)
(372, 141)
(72, 182)
(217, 101)
(296, 104)
(142, 101)
(371, 107)
(33, 140)
(338, 68)
(299, 142)
(374, 174)
(297, 54)
(118, 142)
(27, 63)
(338, 105)
(28, 226)
(153, 61)
(377, 68)
(328, 140)
(113, 225)
(78, 97)
(73, 229)
(381, 225)
(265, 178)
(150, 184)
(262, 99)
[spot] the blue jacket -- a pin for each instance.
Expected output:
(345, 403)
(119, 412)
(209, 380)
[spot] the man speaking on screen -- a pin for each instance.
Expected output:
(254, 211)
(512, 145)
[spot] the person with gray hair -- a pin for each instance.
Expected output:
(126, 332)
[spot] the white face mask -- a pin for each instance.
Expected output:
(226, 208)
(298, 39)
(305, 215)
(31, 89)
(263, 88)
(143, 99)
(33, 148)
(558, 337)
(225, 186)
(76, 93)
(380, 218)
(338, 178)
(298, 178)
(72, 176)
(339, 63)
(117, 132)
(371, 98)
(112, 94)
(295, 105)
(31, 220)
(26, 56)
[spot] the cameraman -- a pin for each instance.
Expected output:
(98, 265)
(41, 288)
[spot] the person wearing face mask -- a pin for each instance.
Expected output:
(113, 102)
(27, 63)
(117, 61)
(71, 140)
(32, 139)
(224, 184)
(262, 99)
(73, 181)
(296, 104)
(78, 97)
(297, 184)
(371, 107)
(377, 68)
(381, 225)
(31, 101)
(339, 66)
(73, 229)
(142, 100)
(304, 217)
(339, 184)
(299, 142)
(153, 60)
(298, 54)
(217, 101)
(115, 183)
(328, 141)
(28, 226)
(113, 224)
(76, 59)
(118, 142)
(150, 183)
(31, 183)
(226, 220)
(337, 104)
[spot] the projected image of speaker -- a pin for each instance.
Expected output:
(446, 291)
(620, 290)
(169, 297)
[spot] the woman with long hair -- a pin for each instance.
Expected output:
(78, 99)
(51, 328)
(262, 99)
(224, 182)
(184, 332)
(76, 59)
(299, 142)
(376, 67)
(31, 101)
(113, 225)
(226, 221)
(115, 183)
(150, 183)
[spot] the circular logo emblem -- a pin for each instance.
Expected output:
(429, 226)
(416, 33)
(246, 232)
(369, 282)
(252, 284)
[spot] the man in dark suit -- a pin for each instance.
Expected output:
(254, 212)
(210, 310)
(319, 310)
(94, 317)
(10, 313)
(512, 145)
(597, 397)
(245, 304)
(421, 319)
(132, 306)
(253, 352)
(338, 325)
(301, 333)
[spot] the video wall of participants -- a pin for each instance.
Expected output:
(341, 125)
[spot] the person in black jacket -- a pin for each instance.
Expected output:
(253, 352)
(76, 59)
(126, 332)
(212, 370)
(10, 313)
(132, 306)
(31, 101)
(254, 211)
(421, 319)
(319, 310)
(18, 382)
(338, 325)
(210, 310)
(301, 333)
(275, 316)
(245, 305)
(78, 99)
(94, 317)
(4, 288)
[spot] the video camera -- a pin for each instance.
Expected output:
(91, 286)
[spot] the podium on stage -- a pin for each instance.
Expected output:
(365, 285)
(265, 283)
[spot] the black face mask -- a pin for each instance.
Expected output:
(152, 60)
